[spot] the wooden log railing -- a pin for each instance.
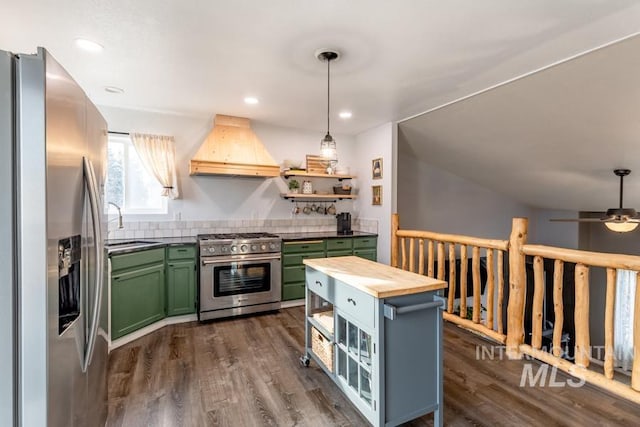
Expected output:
(584, 261)
(518, 250)
(444, 247)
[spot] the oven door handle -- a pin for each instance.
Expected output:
(226, 260)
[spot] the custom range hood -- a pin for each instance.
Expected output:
(233, 149)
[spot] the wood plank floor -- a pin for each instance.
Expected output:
(245, 372)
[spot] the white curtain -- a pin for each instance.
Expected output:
(623, 318)
(158, 156)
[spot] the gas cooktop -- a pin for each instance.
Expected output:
(236, 236)
(238, 244)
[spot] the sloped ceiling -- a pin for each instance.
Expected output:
(550, 139)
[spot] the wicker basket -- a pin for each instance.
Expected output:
(322, 348)
(339, 189)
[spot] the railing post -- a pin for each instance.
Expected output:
(517, 287)
(635, 371)
(395, 225)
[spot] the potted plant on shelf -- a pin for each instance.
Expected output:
(294, 186)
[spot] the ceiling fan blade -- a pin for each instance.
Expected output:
(576, 220)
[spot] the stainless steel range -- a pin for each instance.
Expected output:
(239, 274)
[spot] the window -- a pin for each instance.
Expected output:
(129, 185)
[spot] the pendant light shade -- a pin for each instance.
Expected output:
(328, 144)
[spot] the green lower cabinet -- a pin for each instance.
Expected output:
(346, 252)
(294, 253)
(293, 291)
(181, 287)
(370, 254)
(137, 299)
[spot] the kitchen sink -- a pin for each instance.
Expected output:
(130, 242)
(127, 245)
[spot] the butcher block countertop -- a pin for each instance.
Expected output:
(379, 280)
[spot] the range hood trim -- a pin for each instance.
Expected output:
(203, 167)
(233, 149)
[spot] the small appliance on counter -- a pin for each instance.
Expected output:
(344, 223)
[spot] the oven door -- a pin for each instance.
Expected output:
(240, 280)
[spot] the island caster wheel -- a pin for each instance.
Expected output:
(304, 361)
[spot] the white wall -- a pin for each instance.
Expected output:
(219, 197)
(560, 234)
(372, 144)
(433, 199)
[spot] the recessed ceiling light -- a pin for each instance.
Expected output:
(113, 89)
(345, 114)
(251, 100)
(88, 45)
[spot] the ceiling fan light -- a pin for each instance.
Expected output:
(621, 227)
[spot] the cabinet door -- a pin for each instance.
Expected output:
(181, 287)
(292, 291)
(354, 357)
(137, 299)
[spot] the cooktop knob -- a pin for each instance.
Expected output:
(243, 248)
(234, 248)
(225, 249)
(272, 246)
(212, 249)
(254, 247)
(263, 247)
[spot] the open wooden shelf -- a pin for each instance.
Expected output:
(301, 196)
(302, 173)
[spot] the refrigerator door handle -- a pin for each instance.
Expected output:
(94, 202)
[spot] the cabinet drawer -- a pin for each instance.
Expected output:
(355, 303)
(293, 291)
(296, 259)
(365, 242)
(137, 259)
(370, 254)
(304, 246)
(338, 244)
(181, 252)
(339, 253)
(293, 274)
(320, 284)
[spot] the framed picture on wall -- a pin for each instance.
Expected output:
(376, 191)
(376, 168)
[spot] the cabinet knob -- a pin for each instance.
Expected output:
(319, 283)
(351, 300)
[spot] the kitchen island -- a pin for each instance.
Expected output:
(377, 332)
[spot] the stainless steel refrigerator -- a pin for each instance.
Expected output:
(53, 146)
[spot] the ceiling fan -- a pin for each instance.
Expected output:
(618, 219)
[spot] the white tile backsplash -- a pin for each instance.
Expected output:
(156, 229)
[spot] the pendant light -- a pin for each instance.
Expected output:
(328, 144)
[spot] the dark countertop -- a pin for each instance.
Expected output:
(120, 246)
(322, 235)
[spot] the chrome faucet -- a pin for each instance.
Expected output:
(119, 215)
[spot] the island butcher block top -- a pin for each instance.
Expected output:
(379, 280)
